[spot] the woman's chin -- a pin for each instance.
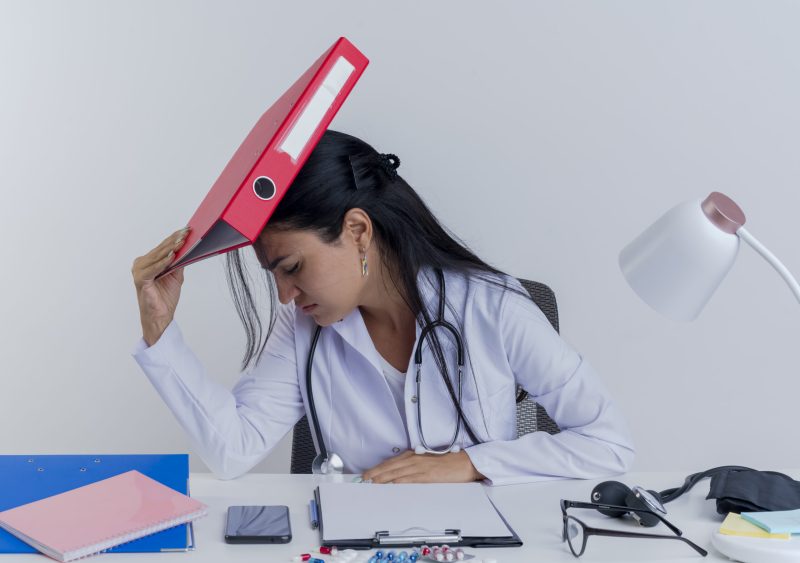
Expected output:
(324, 320)
(320, 319)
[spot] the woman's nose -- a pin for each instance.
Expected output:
(287, 291)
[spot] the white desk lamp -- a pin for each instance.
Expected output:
(677, 263)
(675, 266)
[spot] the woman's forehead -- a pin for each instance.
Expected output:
(274, 242)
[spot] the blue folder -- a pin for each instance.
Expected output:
(25, 479)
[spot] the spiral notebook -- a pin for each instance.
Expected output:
(97, 517)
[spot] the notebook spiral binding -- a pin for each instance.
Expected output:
(130, 535)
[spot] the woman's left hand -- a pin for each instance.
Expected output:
(408, 467)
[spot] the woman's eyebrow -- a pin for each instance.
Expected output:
(275, 262)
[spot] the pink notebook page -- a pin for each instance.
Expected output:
(101, 515)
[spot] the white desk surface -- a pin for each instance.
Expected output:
(532, 510)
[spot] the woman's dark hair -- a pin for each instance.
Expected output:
(343, 173)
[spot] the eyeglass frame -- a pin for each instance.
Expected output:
(592, 531)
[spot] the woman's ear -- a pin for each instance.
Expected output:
(357, 227)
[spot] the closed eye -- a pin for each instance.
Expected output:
(294, 268)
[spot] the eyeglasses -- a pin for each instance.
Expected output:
(576, 533)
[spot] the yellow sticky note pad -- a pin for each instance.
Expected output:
(735, 525)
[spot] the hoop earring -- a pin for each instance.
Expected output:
(364, 269)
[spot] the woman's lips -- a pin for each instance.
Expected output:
(309, 308)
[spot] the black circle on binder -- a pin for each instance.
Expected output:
(264, 188)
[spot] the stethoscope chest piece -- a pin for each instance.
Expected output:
(331, 464)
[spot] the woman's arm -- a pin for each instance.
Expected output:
(594, 440)
(231, 430)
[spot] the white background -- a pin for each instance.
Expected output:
(546, 134)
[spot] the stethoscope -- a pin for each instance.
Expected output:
(329, 462)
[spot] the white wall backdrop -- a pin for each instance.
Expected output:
(545, 134)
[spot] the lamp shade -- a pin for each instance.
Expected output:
(676, 264)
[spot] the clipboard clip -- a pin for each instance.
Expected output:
(415, 536)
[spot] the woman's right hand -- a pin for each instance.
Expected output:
(158, 298)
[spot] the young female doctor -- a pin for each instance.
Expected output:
(403, 347)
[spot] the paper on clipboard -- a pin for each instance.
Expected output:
(359, 510)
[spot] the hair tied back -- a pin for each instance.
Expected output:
(390, 163)
(365, 168)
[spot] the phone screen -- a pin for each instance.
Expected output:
(258, 524)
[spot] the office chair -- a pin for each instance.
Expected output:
(531, 417)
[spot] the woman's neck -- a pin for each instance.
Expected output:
(382, 304)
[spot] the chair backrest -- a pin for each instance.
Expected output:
(531, 417)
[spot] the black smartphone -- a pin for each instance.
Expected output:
(258, 524)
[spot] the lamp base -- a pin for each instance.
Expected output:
(757, 550)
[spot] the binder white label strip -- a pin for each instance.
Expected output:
(317, 107)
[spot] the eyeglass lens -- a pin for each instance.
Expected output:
(575, 536)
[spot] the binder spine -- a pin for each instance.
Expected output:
(283, 158)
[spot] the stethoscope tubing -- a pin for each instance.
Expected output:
(426, 331)
(309, 392)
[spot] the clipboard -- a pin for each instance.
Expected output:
(413, 535)
(34, 477)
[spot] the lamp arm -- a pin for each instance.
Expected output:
(745, 235)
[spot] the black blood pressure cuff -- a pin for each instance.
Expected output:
(754, 491)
